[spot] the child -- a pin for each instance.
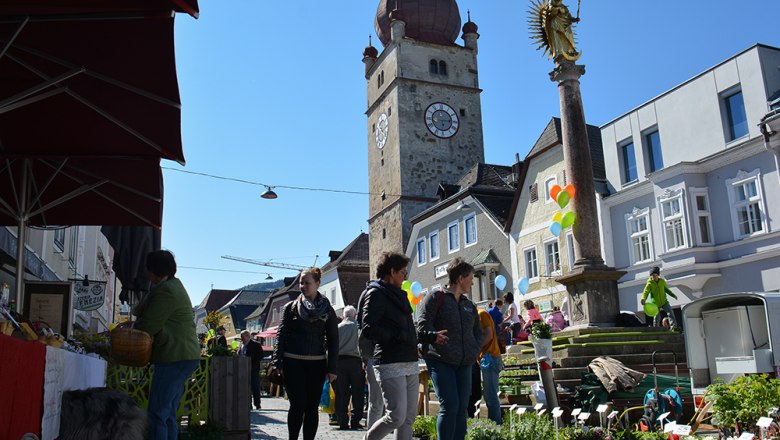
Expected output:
(657, 287)
(532, 315)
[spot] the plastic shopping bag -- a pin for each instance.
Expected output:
(328, 399)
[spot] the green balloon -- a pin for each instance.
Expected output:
(406, 285)
(568, 219)
(234, 344)
(563, 199)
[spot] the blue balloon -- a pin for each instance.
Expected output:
(416, 288)
(556, 228)
(500, 282)
(523, 285)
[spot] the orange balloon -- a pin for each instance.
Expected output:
(570, 189)
(554, 191)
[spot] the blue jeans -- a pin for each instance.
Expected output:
(165, 396)
(453, 387)
(490, 388)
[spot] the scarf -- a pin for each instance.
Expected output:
(310, 310)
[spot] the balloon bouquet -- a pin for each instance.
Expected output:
(413, 292)
(561, 221)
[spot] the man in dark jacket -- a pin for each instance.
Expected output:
(254, 351)
(351, 380)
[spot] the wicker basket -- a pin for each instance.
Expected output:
(131, 347)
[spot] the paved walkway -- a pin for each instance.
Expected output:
(271, 423)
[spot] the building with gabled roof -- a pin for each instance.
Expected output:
(467, 222)
(345, 276)
(235, 311)
(213, 301)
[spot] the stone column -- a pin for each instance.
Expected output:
(592, 286)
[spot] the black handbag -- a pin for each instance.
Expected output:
(275, 375)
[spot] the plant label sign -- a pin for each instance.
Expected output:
(575, 412)
(682, 430)
(541, 411)
(538, 406)
(584, 416)
(764, 422)
(612, 415)
(669, 427)
(602, 408)
(521, 411)
(557, 413)
(663, 416)
(746, 436)
(512, 408)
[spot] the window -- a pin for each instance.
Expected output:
(453, 237)
(552, 258)
(433, 67)
(421, 251)
(74, 234)
(736, 120)
(673, 221)
(442, 68)
(701, 206)
(548, 184)
(638, 224)
(534, 192)
(747, 203)
(654, 157)
(433, 241)
(59, 240)
(570, 249)
(470, 225)
(531, 265)
(629, 162)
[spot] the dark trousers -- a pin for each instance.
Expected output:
(303, 382)
(476, 390)
(350, 383)
(255, 386)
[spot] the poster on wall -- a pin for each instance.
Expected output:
(50, 304)
(88, 295)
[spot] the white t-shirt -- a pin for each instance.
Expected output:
(516, 316)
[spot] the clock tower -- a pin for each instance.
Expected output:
(424, 114)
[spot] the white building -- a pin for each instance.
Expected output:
(693, 189)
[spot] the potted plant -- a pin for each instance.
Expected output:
(541, 334)
(738, 405)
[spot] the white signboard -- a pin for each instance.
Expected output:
(746, 436)
(682, 429)
(440, 270)
(584, 416)
(576, 411)
(539, 406)
(764, 422)
(557, 412)
(602, 408)
(88, 297)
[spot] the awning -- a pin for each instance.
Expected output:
(267, 333)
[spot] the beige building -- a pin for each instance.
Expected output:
(536, 253)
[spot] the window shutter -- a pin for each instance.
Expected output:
(534, 190)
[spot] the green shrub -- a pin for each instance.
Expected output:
(424, 427)
(483, 429)
(541, 330)
(528, 426)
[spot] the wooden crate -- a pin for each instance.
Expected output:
(230, 393)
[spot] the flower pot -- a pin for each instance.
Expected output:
(543, 347)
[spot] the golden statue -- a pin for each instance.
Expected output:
(552, 28)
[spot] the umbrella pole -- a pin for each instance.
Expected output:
(20, 239)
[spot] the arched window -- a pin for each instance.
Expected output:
(442, 68)
(434, 67)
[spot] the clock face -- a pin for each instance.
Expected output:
(441, 120)
(381, 130)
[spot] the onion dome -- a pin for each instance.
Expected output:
(370, 51)
(470, 27)
(431, 21)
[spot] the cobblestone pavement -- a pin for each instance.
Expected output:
(271, 423)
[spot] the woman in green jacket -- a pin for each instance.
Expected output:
(166, 314)
(656, 286)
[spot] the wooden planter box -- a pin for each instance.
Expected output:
(230, 394)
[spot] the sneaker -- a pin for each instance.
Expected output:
(357, 427)
(333, 423)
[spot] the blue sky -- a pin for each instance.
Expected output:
(274, 92)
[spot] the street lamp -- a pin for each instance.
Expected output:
(269, 193)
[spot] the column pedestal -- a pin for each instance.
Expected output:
(593, 296)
